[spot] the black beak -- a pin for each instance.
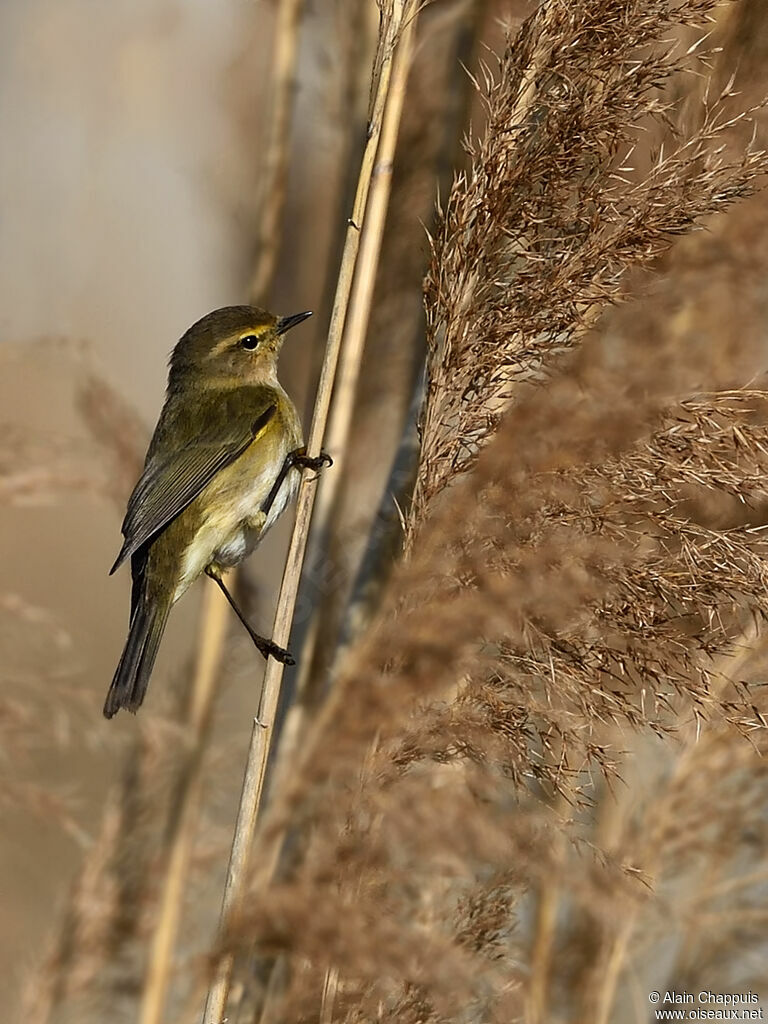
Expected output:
(285, 323)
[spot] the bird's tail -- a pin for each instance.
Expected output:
(129, 684)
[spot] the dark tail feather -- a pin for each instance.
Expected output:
(131, 678)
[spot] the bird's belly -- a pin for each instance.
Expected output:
(248, 524)
(232, 521)
(235, 548)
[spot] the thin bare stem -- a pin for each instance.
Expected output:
(274, 175)
(345, 390)
(545, 926)
(261, 734)
(215, 617)
(360, 29)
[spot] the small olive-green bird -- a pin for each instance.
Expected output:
(216, 477)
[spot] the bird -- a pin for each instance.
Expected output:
(217, 474)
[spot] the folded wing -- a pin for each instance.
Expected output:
(173, 479)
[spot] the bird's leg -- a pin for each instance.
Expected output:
(299, 458)
(266, 647)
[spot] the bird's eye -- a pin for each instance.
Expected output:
(250, 341)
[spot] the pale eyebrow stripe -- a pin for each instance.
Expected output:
(225, 342)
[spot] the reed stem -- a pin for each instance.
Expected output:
(261, 734)
(350, 360)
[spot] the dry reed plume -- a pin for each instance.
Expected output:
(541, 232)
(569, 587)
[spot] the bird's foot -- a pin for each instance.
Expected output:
(316, 463)
(267, 648)
(270, 649)
(298, 458)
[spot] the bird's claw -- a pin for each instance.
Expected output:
(316, 463)
(271, 649)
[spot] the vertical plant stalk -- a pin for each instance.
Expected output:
(726, 668)
(360, 33)
(261, 735)
(345, 391)
(385, 537)
(274, 176)
(545, 928)
(357, 102)
(215, 613)
(361, 37)
(215, 616)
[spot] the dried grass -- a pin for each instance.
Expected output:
(541, 233)
(571, 579)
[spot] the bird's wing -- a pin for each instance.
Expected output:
(226, 425)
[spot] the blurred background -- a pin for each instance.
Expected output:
(131, 165)
(129, 173)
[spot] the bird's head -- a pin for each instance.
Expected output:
(236, 344)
